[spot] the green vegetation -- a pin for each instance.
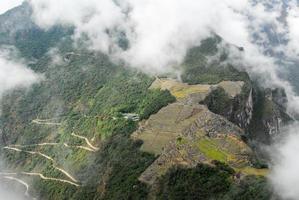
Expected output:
(266, 111)
(36, 42)
(251, 187)
(86, 94)
(211, 182)
(203, 182)
(219, 102)
(200, 69)
(210, 150)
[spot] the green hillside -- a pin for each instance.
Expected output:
(70, 135)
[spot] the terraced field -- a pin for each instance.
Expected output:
(186, 133)
(196, 93)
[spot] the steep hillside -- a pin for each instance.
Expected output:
(96, 129)
(18, 29)
(60, 123)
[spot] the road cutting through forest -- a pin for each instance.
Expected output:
(17, 148)
(52, 144)
(49, 122)
(79, 147)
(33, 145)
(39, 175)
(45, 156)
(49, 178)
(45, 122)
(86, 140)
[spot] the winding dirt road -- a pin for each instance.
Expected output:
(51, 144)
(41, 176)
(73, 181)
(44, 156)
(86, 140)
(45, 122)
(79, 147)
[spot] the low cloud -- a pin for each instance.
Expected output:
(293, 33)
(14, 74)
(159, 33)
(284, 175)
(7, 194)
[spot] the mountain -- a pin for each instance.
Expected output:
(18, 29)
(95, 129)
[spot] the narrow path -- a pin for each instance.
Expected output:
(86, 140)
(51, 144)
(34, 145)
(41, 176)
(45, 156)
(49, 178)
(45, 122)
(79, 147)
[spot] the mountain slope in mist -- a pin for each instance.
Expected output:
(72, 135)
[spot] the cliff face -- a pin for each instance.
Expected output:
(269, 114)
(260, 112)
(238, 108)
(198, 69)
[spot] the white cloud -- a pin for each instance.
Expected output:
(284, 175)
(293, 34)
(91, 17)
(7, 194)
(160, 32)
(8, 4)
(14, 74)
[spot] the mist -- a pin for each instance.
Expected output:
(8, 194)
(284, 176)
(11, 188)
(8, 4)
(159, 34)
(14, 74)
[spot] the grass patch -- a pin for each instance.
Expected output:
(211, 151)
(185, 92)
(254, 171)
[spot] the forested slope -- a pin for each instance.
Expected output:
(69, 135)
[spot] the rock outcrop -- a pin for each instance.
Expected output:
(236, 108)
(269, 115)
(186, 133)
